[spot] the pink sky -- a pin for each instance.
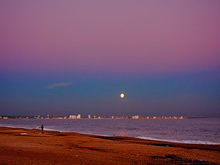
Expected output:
(110, 36)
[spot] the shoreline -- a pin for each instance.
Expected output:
(215, 147)
(19, 146)
(138, 137)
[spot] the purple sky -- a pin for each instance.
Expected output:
(136, 38)
(119, 36)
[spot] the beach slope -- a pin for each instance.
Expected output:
(22, 146)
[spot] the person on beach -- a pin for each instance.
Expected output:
(42, 129)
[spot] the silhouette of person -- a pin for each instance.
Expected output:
(42, 129)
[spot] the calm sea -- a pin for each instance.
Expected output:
(196, 131)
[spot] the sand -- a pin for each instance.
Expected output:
(22, 146)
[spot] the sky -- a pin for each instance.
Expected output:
(76, 57)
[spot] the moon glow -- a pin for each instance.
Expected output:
(122, 95)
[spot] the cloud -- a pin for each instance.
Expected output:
(64, 84)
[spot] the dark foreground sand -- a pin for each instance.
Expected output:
(21, 146)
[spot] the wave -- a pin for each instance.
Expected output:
(180, 141)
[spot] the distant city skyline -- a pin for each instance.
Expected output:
(79, 116)
(77, 57)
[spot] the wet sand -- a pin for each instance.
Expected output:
(22, 146)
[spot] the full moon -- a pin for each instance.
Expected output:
(122, 95)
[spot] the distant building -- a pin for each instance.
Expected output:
(72, 116)
(89, 116)
(5, 117)
(78, 116)
(135, 117)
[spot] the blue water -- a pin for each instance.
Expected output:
(195, 131)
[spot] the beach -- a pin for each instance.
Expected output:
(23, 146)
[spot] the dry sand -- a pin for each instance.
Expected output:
(22, 146)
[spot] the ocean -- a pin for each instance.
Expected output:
(193, 131)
